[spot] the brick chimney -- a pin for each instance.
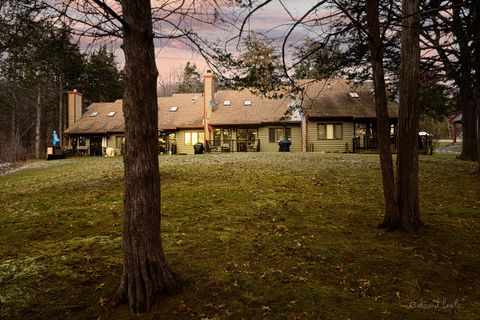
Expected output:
(74, 111)
(208, 100)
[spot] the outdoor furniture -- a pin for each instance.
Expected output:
(226, 146)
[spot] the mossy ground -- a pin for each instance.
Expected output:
(254, 236)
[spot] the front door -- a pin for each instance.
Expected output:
(96, 146)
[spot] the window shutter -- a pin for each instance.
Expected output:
(339, 131)
(271, 135)
(321, 131)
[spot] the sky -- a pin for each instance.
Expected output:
(272, 20)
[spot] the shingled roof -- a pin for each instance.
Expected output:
(340, 98)
(322, 99)
(188, 114)
(247, 108)
(96, 119)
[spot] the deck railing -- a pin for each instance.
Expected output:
(233, 145)
(371, 143)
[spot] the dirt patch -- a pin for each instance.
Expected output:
(9, 167)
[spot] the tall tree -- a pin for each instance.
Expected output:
(400, 192)
(407, 154)
(145, 273)
(392, 217)
(317, 60)
(190, 80)
(101, 80)
(449, 32)
(260, 64)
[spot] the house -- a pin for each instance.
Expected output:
(333, 115)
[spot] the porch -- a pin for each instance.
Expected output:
(366, 135)
(233, 145)
(365, 144)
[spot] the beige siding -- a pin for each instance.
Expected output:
(266, 146)
(331, 145)
(180, 139)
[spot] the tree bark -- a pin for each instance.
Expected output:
(145, 273)
(476, 46)
(392, 218)
(38, 127)
(466, 80)
(60, 111)
(407, 153)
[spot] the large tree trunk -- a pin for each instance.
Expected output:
(60, 111)
(145, 274)
(38, 127)
(469, 123)
(392, 218)
(476, 46)
(465, 79)
(407, 154)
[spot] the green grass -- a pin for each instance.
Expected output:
(254, 236)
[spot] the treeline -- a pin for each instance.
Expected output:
(39, 63)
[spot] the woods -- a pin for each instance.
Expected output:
(40, 61)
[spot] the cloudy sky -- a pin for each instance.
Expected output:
(272, 20)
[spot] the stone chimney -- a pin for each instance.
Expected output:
(208, 100)
(74, 111)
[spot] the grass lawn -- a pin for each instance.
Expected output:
(254, 236)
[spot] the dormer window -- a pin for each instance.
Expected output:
(174, 109)
(353, 95)
(111, 114)
(227, 103)
(94, 114)
(247, 102)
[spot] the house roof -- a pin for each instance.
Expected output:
(322, 99)
(187, 114)
(96, 119)
(247, 108)
(340, 98)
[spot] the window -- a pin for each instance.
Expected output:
(111, 114)
(173, 109)
(82, 141)
(227, 103)
(353, 95)
(277, 134)
(94, 114)
(217, 132)
(247, 102)
(191, 138)
(227, 134)
(330, 131)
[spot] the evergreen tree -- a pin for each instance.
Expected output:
(317, 60)
(190, 81)
(260, 65)
(101, 81)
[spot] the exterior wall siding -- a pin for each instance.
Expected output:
(331, 145)
(266, 146)
(180, 139)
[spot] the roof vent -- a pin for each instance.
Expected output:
(214, 104)
(173, 109)
(94, 114)
(247, 102)
(227, 103)
(111, 114)
(353, 95)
